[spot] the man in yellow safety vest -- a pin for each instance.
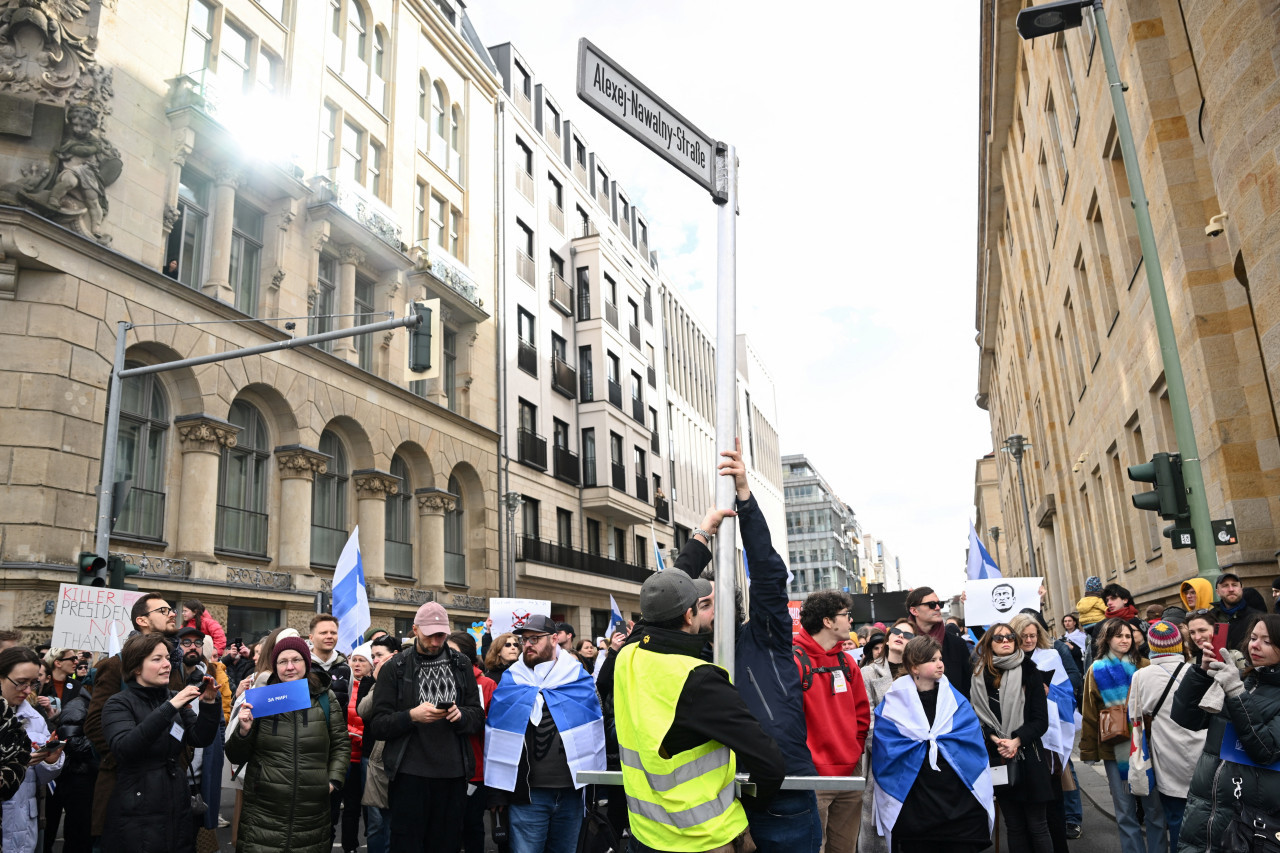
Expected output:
(683, 729)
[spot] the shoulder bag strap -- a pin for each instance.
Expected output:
(1173, 679)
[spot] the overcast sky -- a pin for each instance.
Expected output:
(856, 129)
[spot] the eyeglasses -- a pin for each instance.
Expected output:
(901, 632)
(163, 611)
(529, 641)
(936, 605)
(1003, 638)
(23, 684)
(190, 644)
(844, 613)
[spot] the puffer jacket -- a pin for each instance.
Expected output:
(1255, 714)
(211, 629)
(292, 760)
(150, 805)
(22, 811)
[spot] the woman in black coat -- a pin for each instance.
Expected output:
(1008, 695)
(73, 795)
(149, 731)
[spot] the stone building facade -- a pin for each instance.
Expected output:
(989, 515)
(1068, 350)
(254, 166)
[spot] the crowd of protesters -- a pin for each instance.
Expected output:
(437, 740)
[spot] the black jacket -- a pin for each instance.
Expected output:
(396, 694)
(1034, 785)
(82, 758)
(339, 672)
(238, 668)
(150, 805)
(1238, 623)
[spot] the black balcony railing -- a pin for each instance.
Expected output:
(532, 448)
(563, 377)
(611, 314)
(561, 295)
(661, 508)
(637, 410)
(653, 443)
(527, 358)
(566, 465)
(542, 551)
(634, 333)
(652, 376)
(648, 311)
(584, 304)
(586, 393)
(619, 476)
(642, 488)
(588, 472)
(615, 393)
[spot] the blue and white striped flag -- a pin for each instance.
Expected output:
(657, 552)
(350, 597)
(615, 618)
(1063, 716)
(905, 740)
(981, 566)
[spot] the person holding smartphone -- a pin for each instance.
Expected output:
(149, 728)
(19, 671)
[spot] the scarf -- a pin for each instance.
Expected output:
(1127, 613)
(563, 688)
(1112, 675)
(1232, 611)
(905, 740)
(938, 633)
(1011, 697)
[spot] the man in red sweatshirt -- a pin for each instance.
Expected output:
(836, 711)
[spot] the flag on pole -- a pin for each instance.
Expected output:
(657, 552)
(615, 615)
(113, 639)
(350, 598)
(981, 566)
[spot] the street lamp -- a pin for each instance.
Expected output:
(1015, 445)
(512, 501)
(1049, 18)
(995, 537)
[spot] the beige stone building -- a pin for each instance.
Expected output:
(989, 515)
(208, 172)
(1068, 351)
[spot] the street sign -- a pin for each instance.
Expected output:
(633, 106)
(1181, 537)
(1224, 531)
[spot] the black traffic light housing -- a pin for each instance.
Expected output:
(420, 340)
(91, 570)
(119, 570)
(1169, 497)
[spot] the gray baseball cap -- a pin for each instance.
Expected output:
(536, 624)
(666, 595)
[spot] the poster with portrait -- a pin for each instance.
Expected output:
(999, 599)
(510, 613)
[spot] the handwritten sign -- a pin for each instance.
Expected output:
(511, 613)
(85, 614)
(279, 698)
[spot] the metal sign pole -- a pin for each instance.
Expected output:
(726, 565)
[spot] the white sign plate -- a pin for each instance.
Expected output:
(999, 599)
(85, 614)
(509, 613)
(632, 106)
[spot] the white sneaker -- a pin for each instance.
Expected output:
(223, 823)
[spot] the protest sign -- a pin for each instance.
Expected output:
(85, 614)
(279, 698)
(999, 599)
(510, 613)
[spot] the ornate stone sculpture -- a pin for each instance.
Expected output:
(45, 49)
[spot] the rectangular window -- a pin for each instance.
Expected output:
(530, 511)
(187, 239)
(197, 51)
(351, 163)
(420, 212)
(326, 297)
(584, 293)
(451, 368)
(586, 379)
(364, 314)
(439, 214)
(455, 233)
(234, 55)
(246, 256)
(642, 551)
(593, 537)
(1069, 79)
(328, 152)
(373, 178)
(589, 460)
(564, 528)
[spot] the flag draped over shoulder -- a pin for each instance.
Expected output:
(1063, 716)
(562, 687)
(981, 566)
(905, 740)
(350, 597)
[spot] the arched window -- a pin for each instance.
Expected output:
(455, 143)
(399, 544)
(422, 94)
(242, 484)
(378, 80)
(437, 109)
(379, 53)
(144, 420)
(329, 504)
(455, 557)
(335, 17)
(356, 31)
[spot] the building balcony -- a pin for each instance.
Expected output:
(648, 310)
(361, 205)
(580, 172)
(611, 314)
(524, 183)
(586, 389)
(652, 376)
(533, 550)
(619, 474)
(653, 442)
(637, 410)
(644, 249)
(523, 104)
(554, 138)
(624, 224)
(561, 294)
(589, 472)
(615, 393)
(642, 487)
(584, 304)
(555, 213)
(448, 278)
(565, 463)
(532, 449)
(602, 199)
(527, 358)
(633, 333)
(587, 228)
(661, 508)
(563, 378)
(524, 267)
(614, 504)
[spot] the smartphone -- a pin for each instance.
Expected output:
(1220, 639)
(445, 706)
(237, 642)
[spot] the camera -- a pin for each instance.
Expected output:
(1217, 225)
(196, 679)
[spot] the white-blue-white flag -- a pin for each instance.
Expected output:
(350, 597)
(1063, 716)
(981, 566)
(615, 617)
(657, 552)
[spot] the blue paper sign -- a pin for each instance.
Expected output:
(1233, 750)
(279, 698)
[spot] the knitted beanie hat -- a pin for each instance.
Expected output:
(1164, 638)
(1093, 585)
(298, 645)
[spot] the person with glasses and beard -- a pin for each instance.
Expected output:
(925, 620)
(151, 614)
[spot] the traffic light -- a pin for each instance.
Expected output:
(119, 570)
(420, 340)
(1169, 497)
(91, 569)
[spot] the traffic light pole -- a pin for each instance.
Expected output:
(102, 537)
(1206, 558)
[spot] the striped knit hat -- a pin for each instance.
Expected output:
(1164, 638)
(1093, 585)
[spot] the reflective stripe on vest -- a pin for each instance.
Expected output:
(683, 803)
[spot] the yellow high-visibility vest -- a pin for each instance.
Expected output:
(686, 803)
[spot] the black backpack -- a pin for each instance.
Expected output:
(807, 669)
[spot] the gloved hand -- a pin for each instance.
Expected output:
(1227, 676)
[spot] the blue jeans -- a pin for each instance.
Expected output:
(1174, 807)
(1131, 837)
(1071, 800)
(549, 822)
(377, 829)
(790, 824)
